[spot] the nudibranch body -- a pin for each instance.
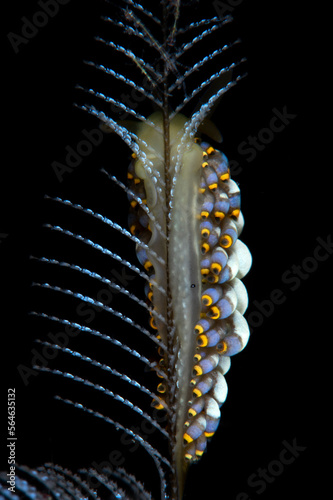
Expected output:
(195, 260)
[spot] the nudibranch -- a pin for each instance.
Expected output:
(191, 250)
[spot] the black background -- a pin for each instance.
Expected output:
(275, 384)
